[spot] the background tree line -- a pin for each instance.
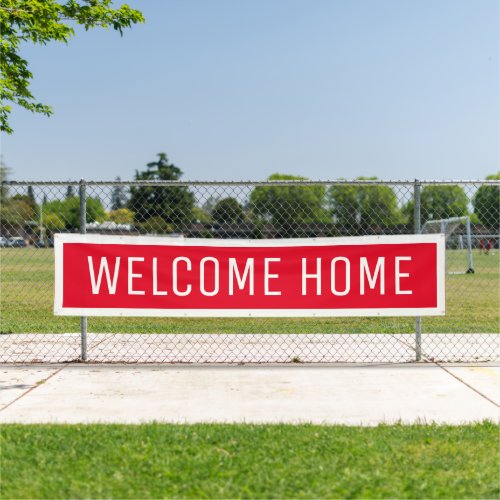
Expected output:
(339, 208)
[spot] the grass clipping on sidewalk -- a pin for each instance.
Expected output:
(249, 461)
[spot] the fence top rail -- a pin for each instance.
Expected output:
(251, 183)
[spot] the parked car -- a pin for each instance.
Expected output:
(39, 244)
(4, 242)
(17, 242)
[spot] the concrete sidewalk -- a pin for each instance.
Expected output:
(333, 394)
(249, 347)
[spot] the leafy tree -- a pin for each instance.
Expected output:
(228, 211)
(15, 213)
(53, 223)
(172, 203)
(344, 204)
(286, 207)
(41, 22)
(4, 174)
(439, 202)
(201, 215)
(157, 225)
(486, 203)
(118, 197)
(69, 211)
(30, 202)
(209, 204)
(121, 216)
(356, 207)
(31, 195)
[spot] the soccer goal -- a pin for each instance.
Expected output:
(458, 242)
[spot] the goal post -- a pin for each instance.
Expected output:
(453, 229)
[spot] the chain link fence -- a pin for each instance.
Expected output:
(466, 211)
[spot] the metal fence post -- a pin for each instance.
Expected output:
(83, 230)
(417, 230)
(470, 269)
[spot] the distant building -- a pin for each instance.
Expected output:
(112, 228)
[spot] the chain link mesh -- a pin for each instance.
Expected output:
(30, 214)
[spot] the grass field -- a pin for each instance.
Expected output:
(249, 461)
(27, 287)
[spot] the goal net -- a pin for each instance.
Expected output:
(458, 242)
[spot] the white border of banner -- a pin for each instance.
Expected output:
(61, 239)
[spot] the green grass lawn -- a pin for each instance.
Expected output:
(27, 288)
(249, 461)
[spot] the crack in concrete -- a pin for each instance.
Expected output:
(477, 391)
(37, 384)
(456, 377)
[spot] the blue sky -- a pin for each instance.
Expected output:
(237, 90)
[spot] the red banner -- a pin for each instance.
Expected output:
(160, 276)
